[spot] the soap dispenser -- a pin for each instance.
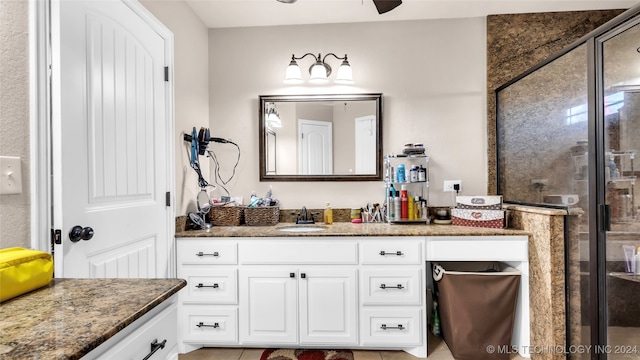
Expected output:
(328, 214)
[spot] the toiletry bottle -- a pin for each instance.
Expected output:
(404, 203)
(397, 206)
(328, 214)
(411, 207)
(390, 205)
(401, 174)
(413, 173)
(422, 174)
(392, 192)
(436, 319)
(638, 261)
(424, 209)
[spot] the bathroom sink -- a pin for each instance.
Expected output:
(303, 228)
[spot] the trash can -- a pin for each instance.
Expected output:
(477, 305)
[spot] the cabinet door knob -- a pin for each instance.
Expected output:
(303, 275)
(292, 275)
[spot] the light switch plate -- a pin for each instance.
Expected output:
(10, 175)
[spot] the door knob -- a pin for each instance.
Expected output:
(78, 233)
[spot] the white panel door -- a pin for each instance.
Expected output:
(328, 306)
(365, 144)
(110, 130)
(315, 147)
(269, 305)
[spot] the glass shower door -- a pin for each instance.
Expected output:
(620, 114)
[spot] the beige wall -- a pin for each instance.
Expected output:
(191, 86)
(432, 75)
(14, 118)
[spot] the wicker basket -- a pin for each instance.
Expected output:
(226, 215)
(262, 215)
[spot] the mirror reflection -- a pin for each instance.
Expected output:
(320, 137)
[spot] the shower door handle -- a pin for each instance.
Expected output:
(606, 212)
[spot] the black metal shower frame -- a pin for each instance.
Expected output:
(598, 209)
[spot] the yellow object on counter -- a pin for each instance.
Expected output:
(23, 270)
(328, 214)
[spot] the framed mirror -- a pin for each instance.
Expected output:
(320, 137)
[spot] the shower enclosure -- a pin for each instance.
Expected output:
(568, 132)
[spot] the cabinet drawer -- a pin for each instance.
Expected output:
(206, 325)
(209, 251)
(209, 285)
(299, 252)
(137, 345)
(391, 287)
(391, 251)
(391, 327)
(477, 248)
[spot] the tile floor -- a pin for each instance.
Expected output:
(437, 349)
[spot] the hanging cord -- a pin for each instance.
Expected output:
(218, 179)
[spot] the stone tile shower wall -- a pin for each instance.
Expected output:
(538, 134)
(516, 42)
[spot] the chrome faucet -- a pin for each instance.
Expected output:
(304, 218)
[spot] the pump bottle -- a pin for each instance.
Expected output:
(328, 214)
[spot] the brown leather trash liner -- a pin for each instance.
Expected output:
(477, 306)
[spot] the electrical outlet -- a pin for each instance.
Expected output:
(448, 185)
(10, 175)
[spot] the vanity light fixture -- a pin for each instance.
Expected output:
(273, 118)
(319, 71)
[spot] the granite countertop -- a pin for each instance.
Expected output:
(349, 229)
(70, 317)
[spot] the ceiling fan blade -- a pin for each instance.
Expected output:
(386, 5)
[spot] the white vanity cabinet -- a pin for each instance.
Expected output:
(153, 335)
(392, 312)
(358, 292)
(298, 291)
(279, 300)
(208, 305)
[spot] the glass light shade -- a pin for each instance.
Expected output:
(319, 73)
(274, 123)
(273, 118)
(293, 74)
(345, 76)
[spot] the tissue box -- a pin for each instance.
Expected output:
(478, 218)
(479, 202)
(23, 270)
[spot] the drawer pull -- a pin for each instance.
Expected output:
(384, 286)
(201, 324)
(215, 253)
(385, 327)
(398, 253)
(155, 346)
(215, 286)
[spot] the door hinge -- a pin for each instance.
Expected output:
(166, 73)
(56, 236)
(167, 198)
